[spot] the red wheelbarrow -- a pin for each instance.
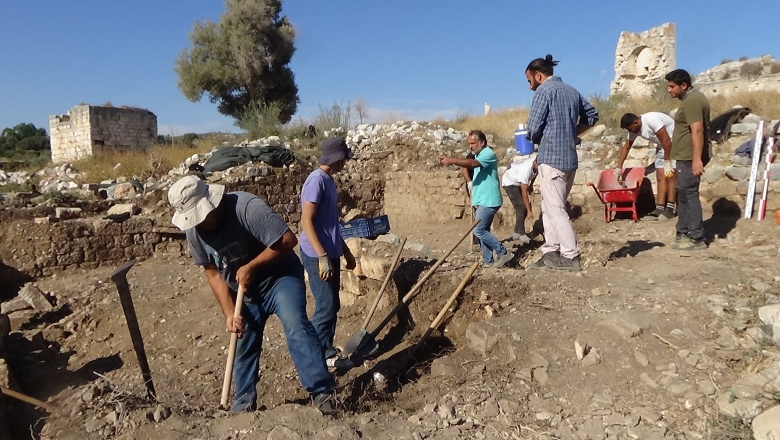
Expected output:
(616, 196)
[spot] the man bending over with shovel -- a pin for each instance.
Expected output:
(240, 240)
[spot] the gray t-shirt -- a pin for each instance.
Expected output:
(248, 227)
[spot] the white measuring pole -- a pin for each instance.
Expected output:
(770, 155)
(751, 193)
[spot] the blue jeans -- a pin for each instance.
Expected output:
(326, 301)
(487, 241)
(287, 299)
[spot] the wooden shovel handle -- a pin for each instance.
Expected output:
(422, 281)
(385, 283)
(439, 262)
(444, 309)
(231, 350)
(25, 398)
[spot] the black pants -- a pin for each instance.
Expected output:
(689, 216)
(513, 191)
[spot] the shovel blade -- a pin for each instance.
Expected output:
(361, 343)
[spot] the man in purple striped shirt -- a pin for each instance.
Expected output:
(558, 115)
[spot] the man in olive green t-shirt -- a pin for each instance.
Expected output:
(691, 150)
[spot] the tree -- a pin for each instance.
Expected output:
(23, 138)
(361, 108)
(242, 61)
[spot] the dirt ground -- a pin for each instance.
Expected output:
(663, 331)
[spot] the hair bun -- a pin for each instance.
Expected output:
(548, 57)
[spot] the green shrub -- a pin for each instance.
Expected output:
(261, 120)
(59, 197)
(16, 187)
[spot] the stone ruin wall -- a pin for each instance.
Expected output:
(760, 74)
(422, 197)
(642, 59)
(87, 130)
(34, 248)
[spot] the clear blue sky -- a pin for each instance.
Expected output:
(412, 58)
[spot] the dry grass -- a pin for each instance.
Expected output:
(153, 162)
(614, 107)
(764, 104)
(729, 428)
(502, 123)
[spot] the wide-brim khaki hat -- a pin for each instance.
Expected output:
(193, 199)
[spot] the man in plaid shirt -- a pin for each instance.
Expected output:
(558, 115)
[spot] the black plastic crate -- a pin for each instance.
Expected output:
(365, 227)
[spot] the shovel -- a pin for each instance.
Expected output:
(393, 367)
(437, 321)
(223, 403)
(367, 345)
(354, 341)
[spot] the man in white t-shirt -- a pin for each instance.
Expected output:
(657, 128)
(517, 181)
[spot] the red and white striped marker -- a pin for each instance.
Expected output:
(770, 156)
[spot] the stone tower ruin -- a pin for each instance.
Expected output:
(642, 59)
(86, 130)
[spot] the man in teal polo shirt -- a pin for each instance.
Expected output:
(485, 196)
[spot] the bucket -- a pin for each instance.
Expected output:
(523, 145)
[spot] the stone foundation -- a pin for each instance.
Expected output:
(413, 197)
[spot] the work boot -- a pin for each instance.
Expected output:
(562, 263)
(502, 260)
(690, 245)
(326, 403)
(540, 263)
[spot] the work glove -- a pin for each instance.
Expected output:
(326, 268)
(668, 170)
(619, 175)
(470, 186)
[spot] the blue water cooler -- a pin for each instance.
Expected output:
(523, 145)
